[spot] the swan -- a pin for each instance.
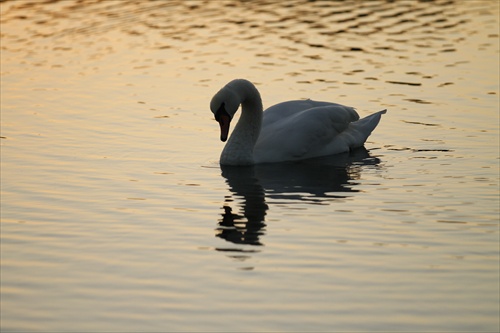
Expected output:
(288, 131)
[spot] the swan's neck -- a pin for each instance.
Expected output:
(239, 148)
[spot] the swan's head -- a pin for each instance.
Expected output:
(224, 105)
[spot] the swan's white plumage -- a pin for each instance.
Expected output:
(288, 131)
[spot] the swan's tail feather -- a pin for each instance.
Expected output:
(361, 129)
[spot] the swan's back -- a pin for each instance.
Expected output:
(286, 109)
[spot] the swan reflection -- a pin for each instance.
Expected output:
(314, 181)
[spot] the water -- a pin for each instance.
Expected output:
(115, 215)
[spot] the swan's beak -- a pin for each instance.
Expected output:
(224, 122)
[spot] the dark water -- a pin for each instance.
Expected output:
(115, 215)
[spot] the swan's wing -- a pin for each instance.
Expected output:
(299, 134)
(358, 131)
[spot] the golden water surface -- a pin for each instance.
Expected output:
(116, 216)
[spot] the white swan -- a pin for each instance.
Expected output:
(287, 131)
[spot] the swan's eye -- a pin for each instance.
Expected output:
(221, 111)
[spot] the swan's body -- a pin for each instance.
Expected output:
(287, 131)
